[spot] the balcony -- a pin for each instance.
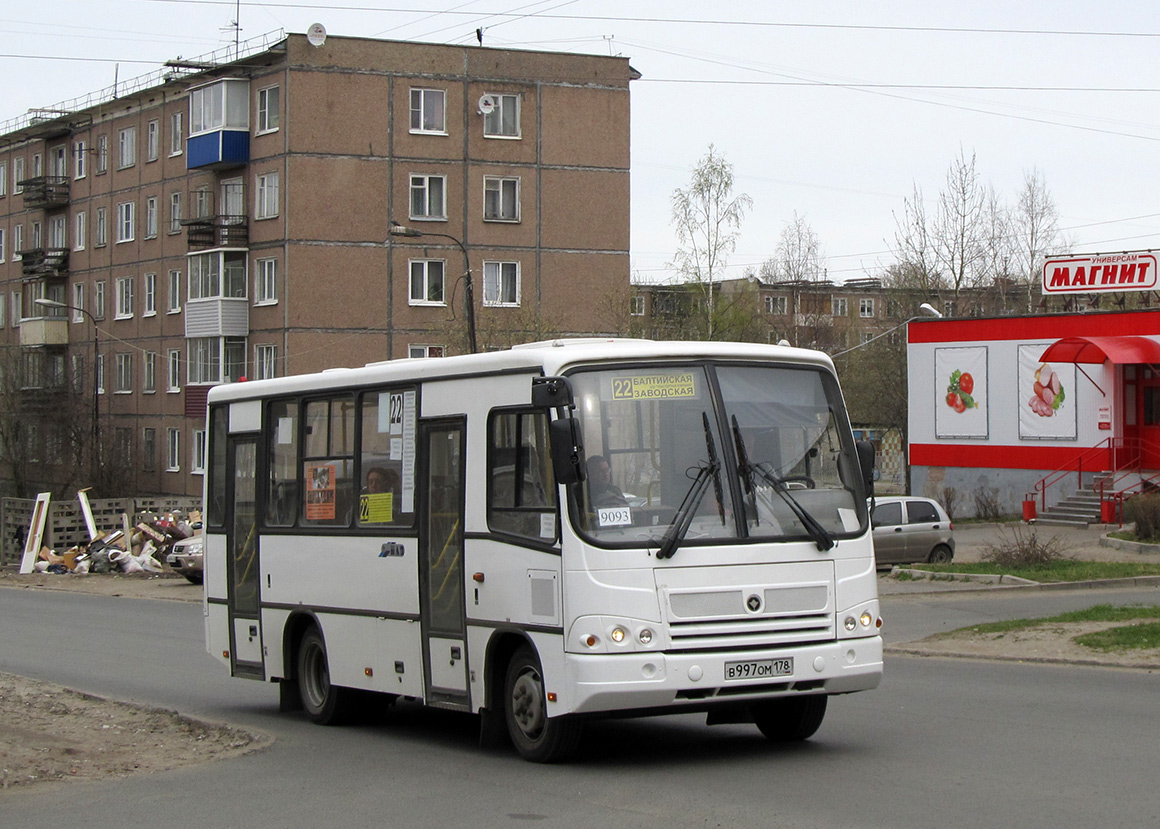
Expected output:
(37, 332)
(219, 149)
(217, 317)
(44, 262)
(45, 192)
(217, 232)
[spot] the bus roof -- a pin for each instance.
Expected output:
(548, 357)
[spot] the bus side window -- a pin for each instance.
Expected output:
(282, 495)
(521, 496)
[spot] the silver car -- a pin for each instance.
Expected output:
(909, 529)
(185, 557)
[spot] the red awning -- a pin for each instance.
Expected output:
(1118, 350)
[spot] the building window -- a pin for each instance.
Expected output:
(427, 282)
(152, 140)
(221, 105)
(215, 275)
(428, 197)
(174, 299)
(17, 175)
(149, 377)
(101, 227)
(425, 351)
(501, 283)
(636, 306)
(2, 241)
(172, 450)
(173, 370)
(777, 305)
(504, 119)
(149, 308)
(838, 307)
(127, 148)
(126, 222)
(175, 212)
(102, 163)
(17, 242)
(197, 462)
(151, 217)
(266, 282)
(99, 299)
(866, 307)
(428, 111)
(124, 298)
(269, 109)
(501, 199)
(58, 232)
(124, 373)
(3, 180)
(100, 369)
(265, 362)
(78, 301)
(149, 449)
(80, 159)
(216, 360)
(267, 196)
(2, 310)
(176, 137)
(80, 231)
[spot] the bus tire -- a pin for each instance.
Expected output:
(537, 737)
(790, 719)
(324, 703)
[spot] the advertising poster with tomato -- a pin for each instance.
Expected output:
(1046, 396)
(960, 376)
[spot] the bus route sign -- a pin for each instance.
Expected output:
(654, 386)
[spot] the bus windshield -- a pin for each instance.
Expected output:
(718, 451)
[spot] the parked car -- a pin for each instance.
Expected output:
(185, 557)
(908, 529)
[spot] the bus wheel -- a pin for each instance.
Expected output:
(325, 704)
(537, 737)
(790, 719)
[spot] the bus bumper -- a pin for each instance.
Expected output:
(626, 681)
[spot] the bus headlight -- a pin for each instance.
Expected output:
(604, 634)
(644, 636)
(860, 620)
(617, 635)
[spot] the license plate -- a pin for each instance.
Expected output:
(759, 668)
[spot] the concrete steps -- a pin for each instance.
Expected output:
(1077, 510)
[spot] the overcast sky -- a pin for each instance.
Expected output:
(835, 110)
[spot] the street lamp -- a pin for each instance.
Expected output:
(925, 310)
(94, 448)
(468, 288)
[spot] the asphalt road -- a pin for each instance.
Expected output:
(941, 743)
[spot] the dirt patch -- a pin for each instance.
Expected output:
(1054, 642)
(49, 733)
(132, 585)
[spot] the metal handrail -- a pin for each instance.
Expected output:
(1123, 453)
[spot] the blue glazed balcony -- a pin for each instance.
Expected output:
(218, 150)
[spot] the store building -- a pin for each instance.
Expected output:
(232, 217)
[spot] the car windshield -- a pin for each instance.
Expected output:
(707, 453)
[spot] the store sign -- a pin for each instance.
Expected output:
(1100, 273)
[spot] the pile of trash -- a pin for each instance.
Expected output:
(141, 548)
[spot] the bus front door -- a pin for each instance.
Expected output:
(242, 559)
(441, 564)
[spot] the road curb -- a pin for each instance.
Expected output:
(904, 650)
(1013, 582)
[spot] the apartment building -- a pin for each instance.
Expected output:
(231, 218)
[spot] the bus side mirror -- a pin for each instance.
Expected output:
(865, 450)
(567, 451)
(551, 393)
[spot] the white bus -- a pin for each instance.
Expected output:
(541, 535)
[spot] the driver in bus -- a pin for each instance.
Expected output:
(601, 490)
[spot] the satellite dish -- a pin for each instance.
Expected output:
(486, 104)
(316, 34)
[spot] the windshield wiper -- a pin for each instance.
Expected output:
(821, 537)
(745, 471)
(677, 530)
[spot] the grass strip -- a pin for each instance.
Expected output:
(1061, 570)
(1143, 635)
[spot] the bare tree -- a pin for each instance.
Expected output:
(1034, 231)
(707, 217)
(912, 238)
(962, 226)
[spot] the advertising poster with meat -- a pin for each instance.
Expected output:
(1046, 397)
(960, 376)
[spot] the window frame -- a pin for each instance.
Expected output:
(426, 276)
(176, 133)
(126, 222)
(494, 290)
(126, 147)
(267, 114)
(420, 184)
(172, 449)
(123, 290)
(266, 281)
(152, 140)
(498, 199)
(493, 122)
(266, 195)
(420, 111)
